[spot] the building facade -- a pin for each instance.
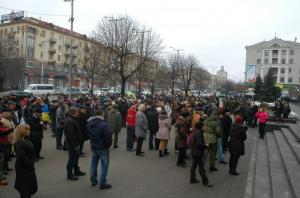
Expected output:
(222, 74)
(45, 53)
(283, 57)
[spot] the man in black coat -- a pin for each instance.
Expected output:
(123, 107)
(36, 132)
(225, 123)
(152, 117)
(236, 143)
(73, 139)
(197, 152)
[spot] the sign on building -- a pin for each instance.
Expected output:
(12, 15)
(250, 73)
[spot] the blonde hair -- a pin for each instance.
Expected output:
(19, 132)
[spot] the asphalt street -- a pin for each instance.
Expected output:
(131, 176)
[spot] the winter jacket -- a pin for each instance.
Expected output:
(141, 126)
(262, 116)
(4, 132)
(196, 118)
(181, 132)
(26, 182)
(226, 123)
(131, 117)
(60, 117)
(212, 130)
(7, 123)
(237, 138)
(152, 118)
(72, 132)
(123, 107)
(36, 128)
(164, 128)
(99, 132)
(198, 146)
(114, 119)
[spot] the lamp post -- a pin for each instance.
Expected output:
(71, 44)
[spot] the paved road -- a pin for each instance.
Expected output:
(131, 176)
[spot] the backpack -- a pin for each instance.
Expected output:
(190, 139)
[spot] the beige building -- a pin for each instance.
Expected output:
(283, 57)
(222, 74)
(45, 51)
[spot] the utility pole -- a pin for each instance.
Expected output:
(71, 47)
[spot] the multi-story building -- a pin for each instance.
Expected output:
(215, 82)
(44, 50)
(222, 74)
(283, 57)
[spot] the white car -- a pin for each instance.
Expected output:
(101, 92)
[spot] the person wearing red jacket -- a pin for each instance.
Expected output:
(130, 122)
(262, 117)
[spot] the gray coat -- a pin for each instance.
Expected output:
(141, 126)
(114, 119)
(60, 117)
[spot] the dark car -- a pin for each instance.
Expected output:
(16, 95)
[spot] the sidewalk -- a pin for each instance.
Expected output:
(131, 176)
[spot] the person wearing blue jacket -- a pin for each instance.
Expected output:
(100, 135)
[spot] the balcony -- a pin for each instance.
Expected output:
(67, 44)
(67, 53)
(52, 40)
(51, 61)
(74, 46)
(11, 35)
(52, 51)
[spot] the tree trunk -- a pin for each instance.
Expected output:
(123, 84)
(186, 92)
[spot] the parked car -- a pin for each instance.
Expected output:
(16, 95)
(101, 92)
(40, 89)
(74, 91)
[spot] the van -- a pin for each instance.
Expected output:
(40, 89)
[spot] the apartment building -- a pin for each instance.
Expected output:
(45, 52)
(283, 57)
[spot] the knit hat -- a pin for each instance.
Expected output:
(238, 119)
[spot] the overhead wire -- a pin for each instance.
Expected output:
(37, 13)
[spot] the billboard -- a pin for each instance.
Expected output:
(12, 15)
(250, 73)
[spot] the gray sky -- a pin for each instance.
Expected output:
(216, 31)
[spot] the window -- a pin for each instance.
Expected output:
(58, 57)
(275, 52)
(5, 31)
(41, 54)
(18, 29)
(51, 35)
(59, 48)
(258, 61)
(291, 61)
(259, 52)
(291, 52)
(290, 80)
(266, 61)
(267, 52)
(290, 70)
(283, 61)
(274, 61)
(282, 79)
(282, 70)
(283, 52)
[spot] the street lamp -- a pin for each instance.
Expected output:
(71, 43)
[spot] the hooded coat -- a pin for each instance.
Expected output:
(141, 126)
(212, 129)
(237, 137)
(99, 132)
(164, 127)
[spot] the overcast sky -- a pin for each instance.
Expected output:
(216, 31)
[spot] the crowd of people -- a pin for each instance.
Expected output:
(208, 127)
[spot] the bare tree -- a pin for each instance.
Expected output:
(202, 78)
(93, 64)
(187, 71)
(129, 50)
(173, 66)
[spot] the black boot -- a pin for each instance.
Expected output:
(160, 154)
(166, 152)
